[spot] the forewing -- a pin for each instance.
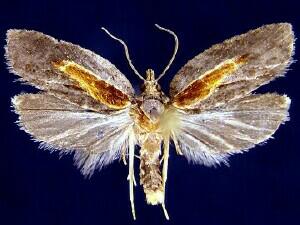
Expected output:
(210, 137)
(67, 71)
(211, 79)
(97, 138)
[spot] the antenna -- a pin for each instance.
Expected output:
(126, 52)
(174, 53)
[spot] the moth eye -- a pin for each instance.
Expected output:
(143, 87)
(158, 87)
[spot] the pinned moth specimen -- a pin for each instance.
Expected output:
(87, 106)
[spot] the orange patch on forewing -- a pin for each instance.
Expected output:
(98, 89)
(203, 87)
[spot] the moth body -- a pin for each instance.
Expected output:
(148, 114)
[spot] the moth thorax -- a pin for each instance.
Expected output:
(153, 109)
(150, 174)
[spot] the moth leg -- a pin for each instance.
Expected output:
(165, 211)
(165, 157)
(131, 173)
(133, 178)
(124, 155)
(165, 171)
(177, 148)
(161, 160)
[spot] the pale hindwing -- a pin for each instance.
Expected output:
(96, 138)
(266, 53)
(31, 55)
(210, 137)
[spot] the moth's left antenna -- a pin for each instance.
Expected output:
(126, 52)
(174, 52)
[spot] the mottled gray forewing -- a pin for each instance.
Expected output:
(97, 138)
(30, 55)
(268, 50)
(210, 137)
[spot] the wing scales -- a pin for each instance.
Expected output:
(207, 83)
(31, 54)
(96, 138)
(98, 89)
(223, 120)
(269, 50)
(208, 137)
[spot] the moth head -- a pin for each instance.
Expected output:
(151, 89)
(150, 77)
(150, 86)
(152, 102)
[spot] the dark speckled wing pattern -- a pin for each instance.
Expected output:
(65, 116)
(230, 119)
(31, 55)
(268, 50)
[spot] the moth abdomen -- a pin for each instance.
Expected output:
(150, 172)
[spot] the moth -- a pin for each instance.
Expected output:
(87, 106)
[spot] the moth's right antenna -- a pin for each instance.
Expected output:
(175, 49)
(126, 52)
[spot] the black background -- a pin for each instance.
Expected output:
(260, 187)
